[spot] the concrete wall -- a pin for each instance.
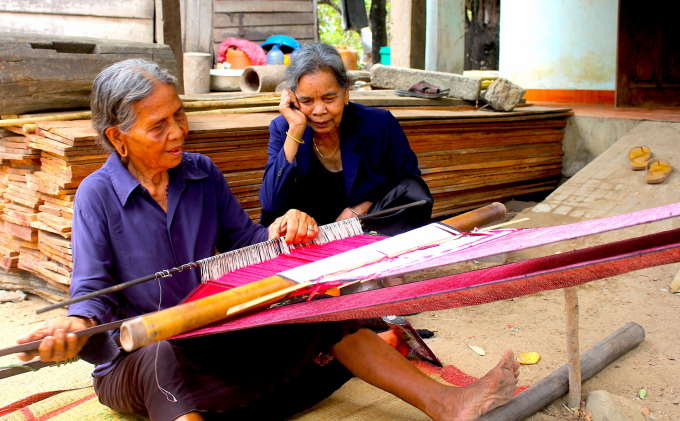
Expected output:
(559, 44)
(585, 138)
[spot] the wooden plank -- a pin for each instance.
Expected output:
(231, 20)
(261, 33)
(140, 30)
(139, 9)
(47, 72)
(229, 6)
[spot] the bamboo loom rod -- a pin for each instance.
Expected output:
(236, 111)
(573, 353)
(84, 115)
(191, 265)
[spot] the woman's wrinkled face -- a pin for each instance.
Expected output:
(155, 141)
(322, 100)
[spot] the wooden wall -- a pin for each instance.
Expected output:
(258, 20)
(130, 20)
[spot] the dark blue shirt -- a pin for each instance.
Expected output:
(375, 156)
(120, 233)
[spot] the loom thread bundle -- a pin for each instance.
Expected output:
(216, 266)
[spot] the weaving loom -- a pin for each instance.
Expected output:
(209, 306)
(503, 282)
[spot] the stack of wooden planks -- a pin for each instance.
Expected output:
(21, 202)
(69, 153)
(472, 159)
(468, 158)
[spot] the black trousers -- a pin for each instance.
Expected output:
(408, 190)
(265, 373)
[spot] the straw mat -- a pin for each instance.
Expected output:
(355, 401)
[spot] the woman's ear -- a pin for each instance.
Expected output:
(347, 92)
(118, 140)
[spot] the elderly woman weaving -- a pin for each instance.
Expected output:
(152, 207)
(334, 159)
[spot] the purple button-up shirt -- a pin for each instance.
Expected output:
(120, 233)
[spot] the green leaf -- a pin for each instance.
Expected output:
(643, 393)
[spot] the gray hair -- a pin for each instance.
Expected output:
(116, 90)
(313, 57)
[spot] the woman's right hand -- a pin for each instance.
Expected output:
(290, 109)
(58, 343)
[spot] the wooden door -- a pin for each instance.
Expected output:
(648, 62)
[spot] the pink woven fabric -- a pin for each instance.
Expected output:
(478, 287)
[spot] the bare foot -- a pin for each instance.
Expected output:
(496, 388)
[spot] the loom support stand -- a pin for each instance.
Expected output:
(541, 394)
(573, 354)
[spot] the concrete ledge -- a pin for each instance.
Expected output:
(390, 77)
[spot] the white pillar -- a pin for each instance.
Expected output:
(445, 36)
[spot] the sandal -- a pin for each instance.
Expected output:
(423, 89)
(658, 171)
(639, 157)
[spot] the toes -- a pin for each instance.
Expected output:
(507, 361)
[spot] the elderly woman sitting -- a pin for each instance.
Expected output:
(152, 207)
(334, 159)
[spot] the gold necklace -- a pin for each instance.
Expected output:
(321, 155)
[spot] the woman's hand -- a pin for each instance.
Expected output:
(290, 109)
(295, 225)
(58, 344)
(297, 123)
(362, 209)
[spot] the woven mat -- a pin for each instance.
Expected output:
(355, 401)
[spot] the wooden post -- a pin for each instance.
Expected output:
(172, 36)
(408, 34)
(573, 354)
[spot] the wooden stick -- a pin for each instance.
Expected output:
(504, 224)
(573, 354)
(556, 384)
(83, 115)
(235, 111)
(244, 100)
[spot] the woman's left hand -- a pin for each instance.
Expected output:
(362, 209)
(297, 226)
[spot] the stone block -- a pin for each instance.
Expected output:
(390, 77)
(608, 407)
(503, 95)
